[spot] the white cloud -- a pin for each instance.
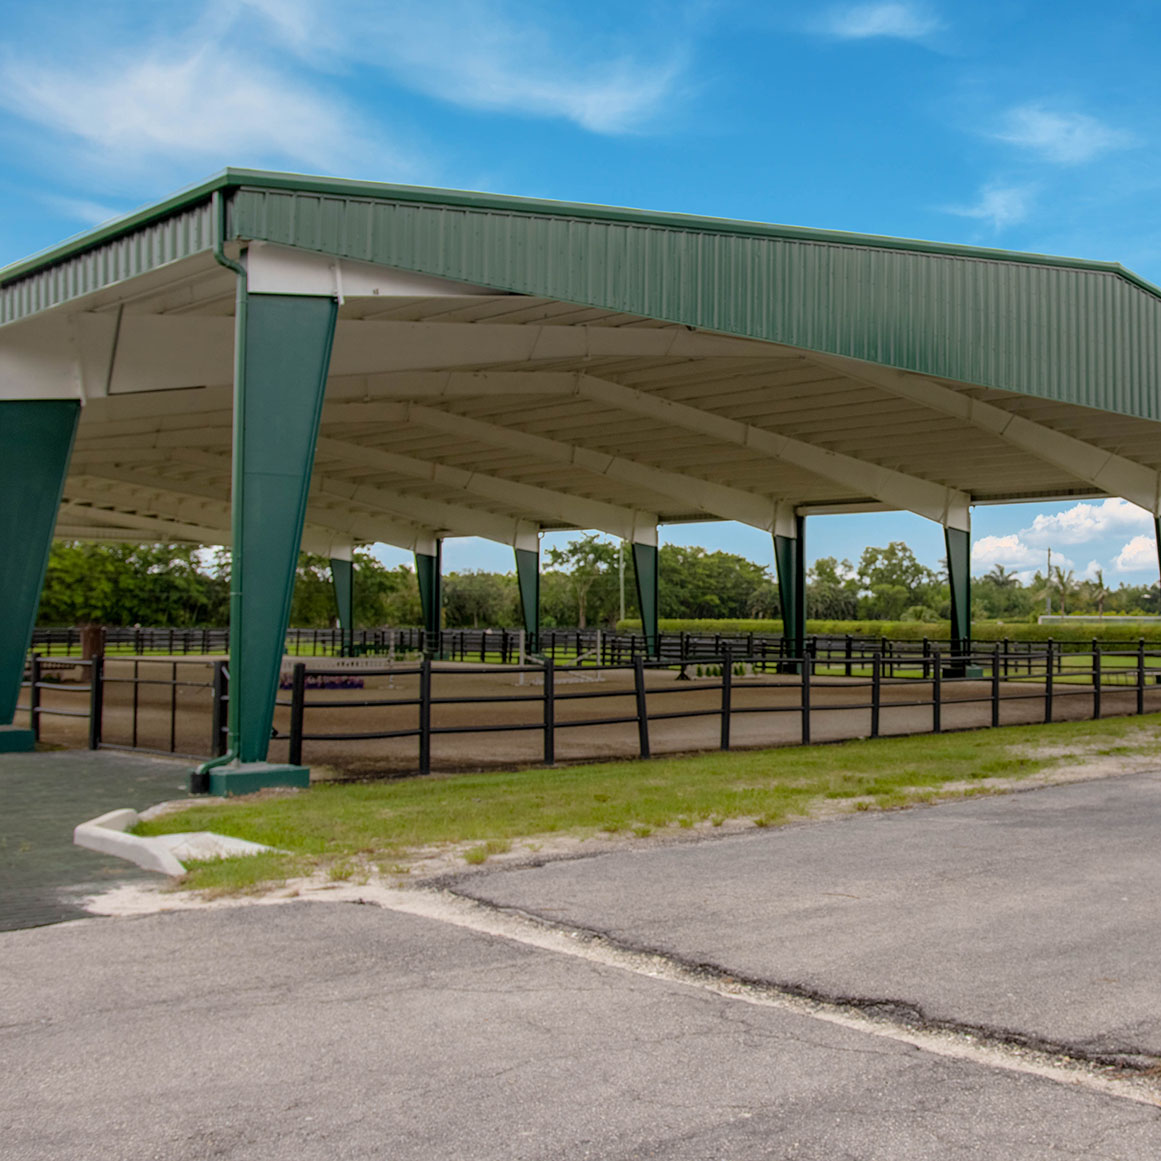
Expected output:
(496, 58)
(80, 210)
(1013, 552)
(199, 104)
(1000, 206)
(1062, 137)
(899, 21)
(1139, 555)
(1085, 522)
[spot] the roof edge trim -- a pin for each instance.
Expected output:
(235, 178)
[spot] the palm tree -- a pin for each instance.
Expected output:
(1066, 586)
(1001, 577)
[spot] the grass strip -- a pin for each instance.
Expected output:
(382, 823)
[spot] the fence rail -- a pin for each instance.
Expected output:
(179, 706)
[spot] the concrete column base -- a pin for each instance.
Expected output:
(16, 740)
(246, 778)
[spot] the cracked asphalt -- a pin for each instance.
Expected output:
(326, 1031)
(331, 1030)
(1034, 915)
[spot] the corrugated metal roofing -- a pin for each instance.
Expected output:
(1076, 332)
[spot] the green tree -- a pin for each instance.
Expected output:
(480, 599)
(590, 566)
(891, 580)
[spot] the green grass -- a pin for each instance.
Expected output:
(380, 824)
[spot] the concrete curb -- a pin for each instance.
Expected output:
(106, 834)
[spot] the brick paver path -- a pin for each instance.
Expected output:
(42, 797)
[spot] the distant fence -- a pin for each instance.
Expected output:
(179, 706)
(509, 646)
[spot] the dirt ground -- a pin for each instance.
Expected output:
(766, 712)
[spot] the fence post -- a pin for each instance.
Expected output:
(936, 694)
(1096, 680)
(96, 699)
(727, 694)
(876, 692)
(425, 715)
(995, 685)
(220, 691)
(849, 649)
(549, 713)
(34, 698)
(297, 712)
(1141, 675)
(807, 665)
(642, 710)
(1006, 652)
(1048, 678)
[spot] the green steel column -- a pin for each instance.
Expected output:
(343, 582)
(645, 571)
(283, 351)
(528, 581)
(958, 543)
(790, 565)
(1157, 539)
(36, 438)
(427, 572)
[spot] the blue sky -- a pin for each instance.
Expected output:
(1026, 125)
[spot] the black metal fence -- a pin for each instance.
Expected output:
(187, 714)
(602, 647)
(990, 678)
(73, 688)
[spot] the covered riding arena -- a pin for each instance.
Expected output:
(274, 362)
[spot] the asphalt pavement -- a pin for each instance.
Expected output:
(1036, 914)
(43, 876)
(314, 1031)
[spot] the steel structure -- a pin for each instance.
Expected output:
(271, 361)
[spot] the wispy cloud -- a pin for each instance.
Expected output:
(998, 205)
(898, 21)
(495, 59)
(1064, 138)
(167, 103)
(84, 211)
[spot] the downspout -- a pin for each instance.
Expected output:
(218, 212)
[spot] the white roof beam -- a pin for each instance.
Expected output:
(948, 506)
(1108, 471)
(324, 529)
(713, 499)
(546, 502)
(451, 518)
(143, 358)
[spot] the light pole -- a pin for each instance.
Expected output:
(621, 572)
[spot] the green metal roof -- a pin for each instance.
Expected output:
(1077, 331)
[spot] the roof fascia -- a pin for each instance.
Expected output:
(233, 178)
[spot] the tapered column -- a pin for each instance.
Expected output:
(790, 565)
(282, 353)
(958, 542)
(343, 583)
(428, 570)
(528, 581)
(645, 572)
(36, 438)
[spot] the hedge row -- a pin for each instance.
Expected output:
(917, 630)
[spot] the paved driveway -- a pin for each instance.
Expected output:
(42, 797)
(316, 1032)
(1035, 914)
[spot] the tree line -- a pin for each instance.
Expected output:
(580, 585)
